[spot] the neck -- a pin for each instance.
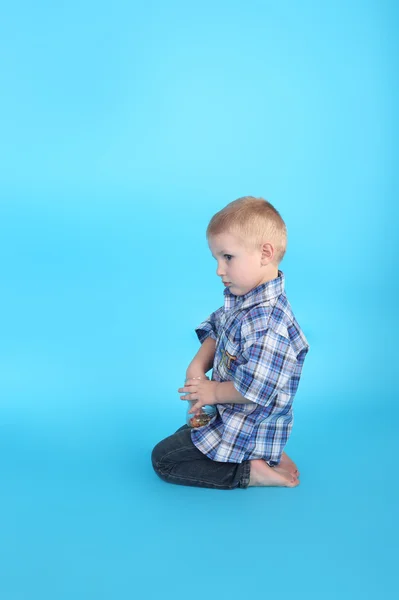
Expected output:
(271, 272)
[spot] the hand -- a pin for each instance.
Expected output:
(202, 391)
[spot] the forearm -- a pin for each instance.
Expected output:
(205, 355)
(227, 393)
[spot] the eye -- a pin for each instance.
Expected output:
(228, 256)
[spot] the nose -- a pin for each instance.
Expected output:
(219, 271)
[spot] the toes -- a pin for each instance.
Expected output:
(294, 481)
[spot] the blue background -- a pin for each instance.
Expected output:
(124, 127)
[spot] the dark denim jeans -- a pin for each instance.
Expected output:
(177, 460)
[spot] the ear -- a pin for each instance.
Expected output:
(267, 254)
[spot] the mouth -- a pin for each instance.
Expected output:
(227, 282)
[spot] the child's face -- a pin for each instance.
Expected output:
(238, 267)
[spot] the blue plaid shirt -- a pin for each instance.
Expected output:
(261, 349)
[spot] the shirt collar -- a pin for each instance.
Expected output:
(262, 293)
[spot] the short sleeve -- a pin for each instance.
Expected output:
(269, 365)
(210, 327)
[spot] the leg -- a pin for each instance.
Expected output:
(177, 460)
(285, 463)
(184, 427)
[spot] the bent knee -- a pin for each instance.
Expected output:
(157, 455)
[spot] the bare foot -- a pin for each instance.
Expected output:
(263, 475)
(288, 465)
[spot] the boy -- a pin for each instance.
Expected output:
(256, 349)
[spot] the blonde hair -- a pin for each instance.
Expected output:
(255, 221)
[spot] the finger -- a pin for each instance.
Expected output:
(196, 408)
